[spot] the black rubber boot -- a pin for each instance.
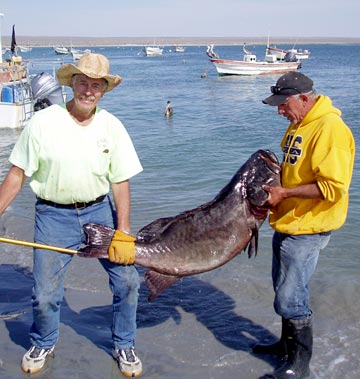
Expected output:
(299, 343)
(277, 348)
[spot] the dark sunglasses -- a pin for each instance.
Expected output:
(276, 90)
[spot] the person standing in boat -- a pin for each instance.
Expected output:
(74, 154)
(318, 159)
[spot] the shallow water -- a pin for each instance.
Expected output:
(207, 323)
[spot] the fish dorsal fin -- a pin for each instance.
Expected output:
(151, 231)
(157, 283)
(156, 229)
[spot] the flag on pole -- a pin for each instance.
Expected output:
(13, 42)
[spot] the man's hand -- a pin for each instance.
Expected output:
(305, 191)
(276, 195)
(122, 248)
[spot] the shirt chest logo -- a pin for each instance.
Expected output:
(292, 149)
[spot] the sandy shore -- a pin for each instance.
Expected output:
(176, 339)
(203, 327)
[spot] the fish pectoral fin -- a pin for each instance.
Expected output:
(253, 244)
(157, 283)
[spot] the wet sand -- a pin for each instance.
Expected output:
(203, 327)
(173, 341)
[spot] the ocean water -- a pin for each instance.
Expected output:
(218, 123)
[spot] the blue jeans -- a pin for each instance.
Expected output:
(64, 228)
(294, 262)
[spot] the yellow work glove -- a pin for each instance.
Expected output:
(122, 248)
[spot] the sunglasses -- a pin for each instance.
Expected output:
(276, 90)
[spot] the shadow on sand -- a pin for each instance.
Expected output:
(213, 308)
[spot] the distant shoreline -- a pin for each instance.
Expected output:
(43, 41)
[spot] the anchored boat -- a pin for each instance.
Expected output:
(22, 94)
(152, 51)
(251, 66)
(281, 53)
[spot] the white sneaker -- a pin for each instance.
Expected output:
(34, 360)
(128, 362)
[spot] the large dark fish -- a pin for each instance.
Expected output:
(206, 237)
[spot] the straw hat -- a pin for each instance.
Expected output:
(93, 65)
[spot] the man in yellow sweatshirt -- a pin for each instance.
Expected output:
(318, 158)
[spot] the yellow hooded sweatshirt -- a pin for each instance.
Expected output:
(322, 151)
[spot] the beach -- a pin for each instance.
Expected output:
(205, 325)
(179, 335)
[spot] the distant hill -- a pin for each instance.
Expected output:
(169, 41)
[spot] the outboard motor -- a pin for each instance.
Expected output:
(41, 104)
(290, 57)
(46, 91)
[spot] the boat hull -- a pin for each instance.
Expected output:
(15, 115)
(60, 50)
(15, 94)
(300, 54)
(25, 49)
(20, 94)
(152, 51)
(233, 67)
(179, 49)
(280, 53)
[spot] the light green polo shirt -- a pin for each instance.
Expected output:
(69, 163)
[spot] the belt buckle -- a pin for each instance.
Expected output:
(80, 206)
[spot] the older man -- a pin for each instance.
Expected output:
(318, 158)
(73, 153)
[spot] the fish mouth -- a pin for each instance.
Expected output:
(259, 212)
(267, 172)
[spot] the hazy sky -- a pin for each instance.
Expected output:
(188, 18)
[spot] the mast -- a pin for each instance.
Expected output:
(1, 16)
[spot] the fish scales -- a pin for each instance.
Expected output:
(203, 238)
(196, 244)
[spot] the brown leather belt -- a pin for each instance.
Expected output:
(78, 205)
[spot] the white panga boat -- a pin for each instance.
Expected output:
(300, 53)
(25, 49)
(251, 66)
(77, 54)
(22, 94)
(179, 49)
(61, 50)
(152, 51)
(280, 53)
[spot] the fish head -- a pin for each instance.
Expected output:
(262, 168)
